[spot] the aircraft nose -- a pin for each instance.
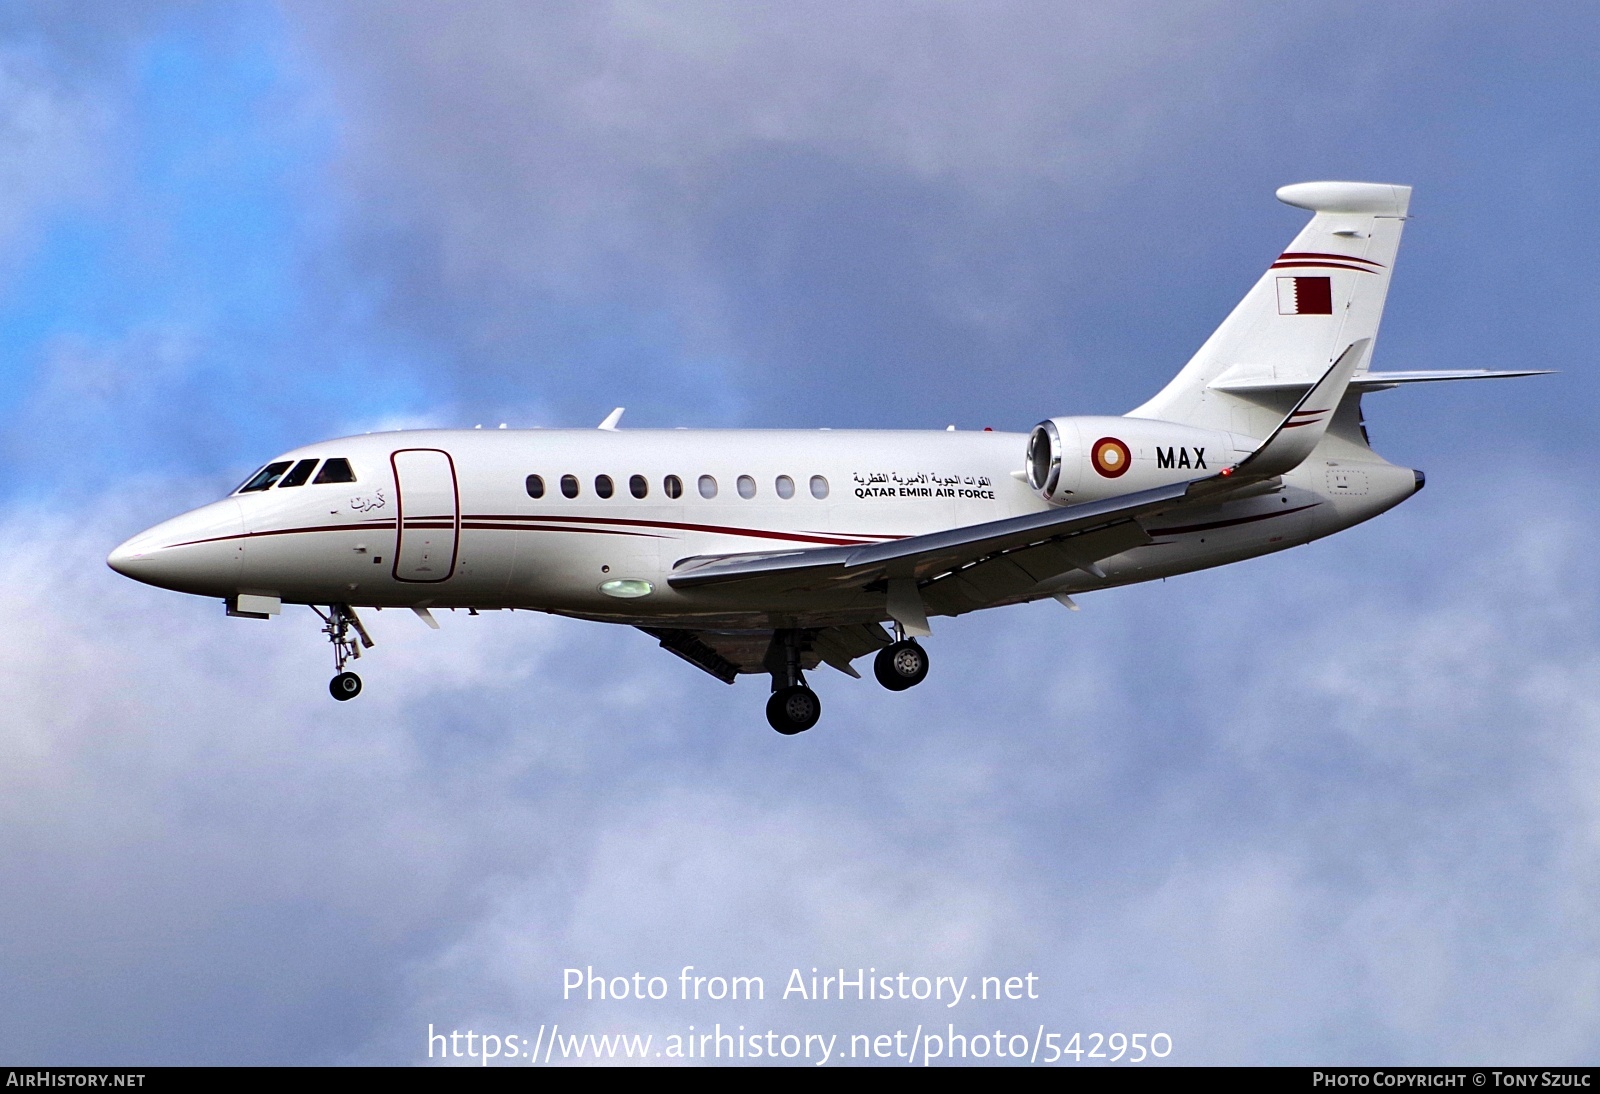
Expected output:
(125, 558)
(198, 552)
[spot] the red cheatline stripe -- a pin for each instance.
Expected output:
(500, 523)
(1304, 417)
(1325, 254)
(877, 537)
(381, 526)
(560, 528)
(752, 533)
(1319, 265)
(668, 523)
(1189, 528)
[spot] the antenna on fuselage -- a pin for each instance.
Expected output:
(612, 419)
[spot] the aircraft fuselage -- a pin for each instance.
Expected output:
(446, 518)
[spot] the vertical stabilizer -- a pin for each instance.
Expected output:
(1325, 292)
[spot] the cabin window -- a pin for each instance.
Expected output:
(784, 486)
(638, 486)
(335, 470)
(819, 487)
(298, 475)
(672, 486)
(264, 478)
(535, 486)
(747, 487)
(602, 486)
(708, 487)
(569, 485)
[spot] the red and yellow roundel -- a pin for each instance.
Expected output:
(1111, 457)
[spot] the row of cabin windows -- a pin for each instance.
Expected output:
(335, 470)
(672, 486)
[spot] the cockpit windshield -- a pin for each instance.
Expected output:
(300, 474)
(335, 470)
(264, 478)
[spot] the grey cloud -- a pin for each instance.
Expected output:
(1278, 832)
(670, 201)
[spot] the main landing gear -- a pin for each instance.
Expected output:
(793, 708)
(349, 638)
(901, 666)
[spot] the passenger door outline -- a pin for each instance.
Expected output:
(420, 543)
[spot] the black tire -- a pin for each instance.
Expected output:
(793, 710)
(345, 686)
(900, 666)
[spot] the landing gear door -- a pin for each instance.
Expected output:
(429, 514)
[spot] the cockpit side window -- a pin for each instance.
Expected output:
(335, 470)
(264, 478)
(299, 474)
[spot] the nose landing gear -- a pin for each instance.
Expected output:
(349, 638)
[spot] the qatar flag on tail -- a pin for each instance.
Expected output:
(1305, 296)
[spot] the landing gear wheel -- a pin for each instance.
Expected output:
(900, 666)
(793, 709)
(348, 636)
(347, 685)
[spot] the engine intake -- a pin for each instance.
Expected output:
(1044, 458)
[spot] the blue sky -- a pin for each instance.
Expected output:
(1335, 805)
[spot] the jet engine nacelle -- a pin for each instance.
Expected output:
(1083, 459)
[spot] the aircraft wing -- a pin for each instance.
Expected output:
(934, 555)
(989, 562)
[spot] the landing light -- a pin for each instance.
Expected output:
(627, 588)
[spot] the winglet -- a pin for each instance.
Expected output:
(1302, 428)
(612, 419)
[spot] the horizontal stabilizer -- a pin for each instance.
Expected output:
(1243, 382)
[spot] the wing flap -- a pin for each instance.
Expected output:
(838, 646)
(692, 647)
(726, 654)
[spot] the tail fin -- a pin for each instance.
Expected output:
(1325, 292)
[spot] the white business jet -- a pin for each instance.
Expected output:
(771, 552)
